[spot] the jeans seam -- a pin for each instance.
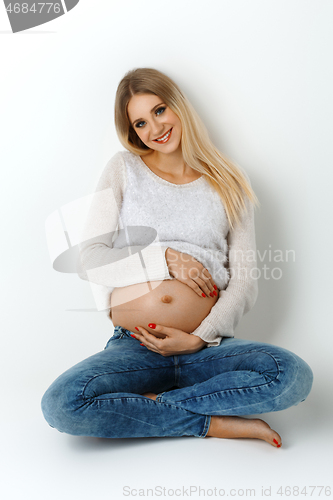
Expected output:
(294, 381)
(113, 373)
(230, 356)
(147, 401)
(127, 416)
(226, 390)
(177, 369)
(206, 426)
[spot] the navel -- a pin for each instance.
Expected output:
(166, 299)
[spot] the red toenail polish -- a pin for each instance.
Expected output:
(152, 325)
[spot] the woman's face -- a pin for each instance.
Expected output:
(152, 119)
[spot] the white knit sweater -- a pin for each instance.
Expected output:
(136, 215)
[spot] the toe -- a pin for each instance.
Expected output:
(277, 442)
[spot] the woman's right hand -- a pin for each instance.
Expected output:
(188, 270)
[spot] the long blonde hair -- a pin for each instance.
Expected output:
(198, 150)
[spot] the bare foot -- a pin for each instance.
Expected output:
(238, 427)
(150, 395)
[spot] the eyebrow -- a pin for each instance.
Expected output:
(151, 111)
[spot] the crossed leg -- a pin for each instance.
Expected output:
(107, 395)
(238, 378)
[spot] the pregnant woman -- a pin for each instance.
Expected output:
(170, 238)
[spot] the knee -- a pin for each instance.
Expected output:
(297, 380)
(59, 404)
(290, 376)
(304, 380)
(52, 405)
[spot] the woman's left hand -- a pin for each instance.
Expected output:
(175, 342)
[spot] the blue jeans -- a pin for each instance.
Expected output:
(102, 395)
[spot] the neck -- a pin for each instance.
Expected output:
(169, 163)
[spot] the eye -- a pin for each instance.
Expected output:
(137, 125)
(162, 109)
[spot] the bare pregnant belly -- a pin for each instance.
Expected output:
(170, 303)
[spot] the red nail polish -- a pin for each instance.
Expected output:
(152, 325)
(203, 295)
(211, 294)
(215, 293)
(275, 441)
(134, 337)
(137, 328)
(215, 287)
(278, 446)
(141, 344)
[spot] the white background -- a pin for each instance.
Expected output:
(259, 72)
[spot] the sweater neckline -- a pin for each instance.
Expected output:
(164, 181)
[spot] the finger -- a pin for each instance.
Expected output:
(198, 277)
(203, 285)
(165, 330)
(208, 282)
(195, 287)
(143, 341)
(137, 337)
(141, 335)
(213, 288)
(203, 288)
(162, 351)
(191, 281)
(150, 347)
(138, 334)
(211, 283)
(148, 338)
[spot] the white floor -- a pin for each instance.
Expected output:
(38, 462)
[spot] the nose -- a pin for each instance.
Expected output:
(156, 129)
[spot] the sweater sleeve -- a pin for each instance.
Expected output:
(99, 262)
(242, 290)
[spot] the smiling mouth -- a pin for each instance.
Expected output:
(164, 138)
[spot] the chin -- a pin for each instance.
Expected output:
(167, 148)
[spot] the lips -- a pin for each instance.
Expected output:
(167, 134)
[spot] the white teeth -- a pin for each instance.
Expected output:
(164, 137)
